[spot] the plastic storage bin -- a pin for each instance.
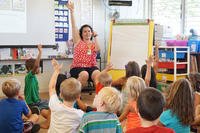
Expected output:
(199, 48)
(170, 65)
(176, 42)
(194, 45)
(170, 55)
(168, 77)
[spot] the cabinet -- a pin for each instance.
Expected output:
(15, 67)
(174, 63)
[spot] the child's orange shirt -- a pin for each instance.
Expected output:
(99, 86)
(133, 119)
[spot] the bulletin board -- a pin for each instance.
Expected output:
(61, 15)
(129, 42)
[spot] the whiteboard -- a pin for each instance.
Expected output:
(39, 24)
(129, 43)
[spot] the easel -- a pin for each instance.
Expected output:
(120, 71)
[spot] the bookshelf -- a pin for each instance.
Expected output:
(174, 63)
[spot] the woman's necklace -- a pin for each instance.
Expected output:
(89, 51)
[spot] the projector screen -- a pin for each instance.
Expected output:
(27, 22)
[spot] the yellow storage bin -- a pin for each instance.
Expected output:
(168, 77)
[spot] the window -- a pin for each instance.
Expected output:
(192, 15)
(136, 11)
(167, 13)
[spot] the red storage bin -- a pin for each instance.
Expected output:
(170, 65)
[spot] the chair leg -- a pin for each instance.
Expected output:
(91, 86)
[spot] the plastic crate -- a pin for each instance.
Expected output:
(194, 45)
(199, 47)
(176, 42)
(170, 55)
(170, 65)
(168, 77)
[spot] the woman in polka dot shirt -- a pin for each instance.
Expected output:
(86, 47)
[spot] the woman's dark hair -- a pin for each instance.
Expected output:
(181, 101)
(81, 30)
(132, 69)
(153, 81)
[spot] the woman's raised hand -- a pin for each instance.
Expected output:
(70, 5)
(94, 34)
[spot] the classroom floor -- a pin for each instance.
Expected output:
(85, 97)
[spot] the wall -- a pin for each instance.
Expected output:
(100, 21)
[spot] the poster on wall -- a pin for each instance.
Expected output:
(13, 11)
(62, 2)
(61, 21)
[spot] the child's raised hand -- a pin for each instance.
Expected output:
(56, 66)
(39, 47)
(149, 61)
(109, 67)
(54, 63)
(70, 5)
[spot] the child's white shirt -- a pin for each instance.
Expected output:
(63, 119)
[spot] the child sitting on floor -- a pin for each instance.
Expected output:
(104, 80)
(134, 86)
(107, 102)
(150, 105)
(64, 118)
(179, 113)
(12, 108)
(31, 89)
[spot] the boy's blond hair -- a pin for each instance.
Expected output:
(70, 89)
(105, 79)
(134, 86)
(111, 98)
(11, 87)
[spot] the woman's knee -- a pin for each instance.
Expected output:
(94, 74)
(84, 75)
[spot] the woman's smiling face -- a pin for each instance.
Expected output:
(87, 33)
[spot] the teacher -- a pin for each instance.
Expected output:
(86, 46)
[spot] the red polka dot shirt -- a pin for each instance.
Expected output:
(84, 56)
